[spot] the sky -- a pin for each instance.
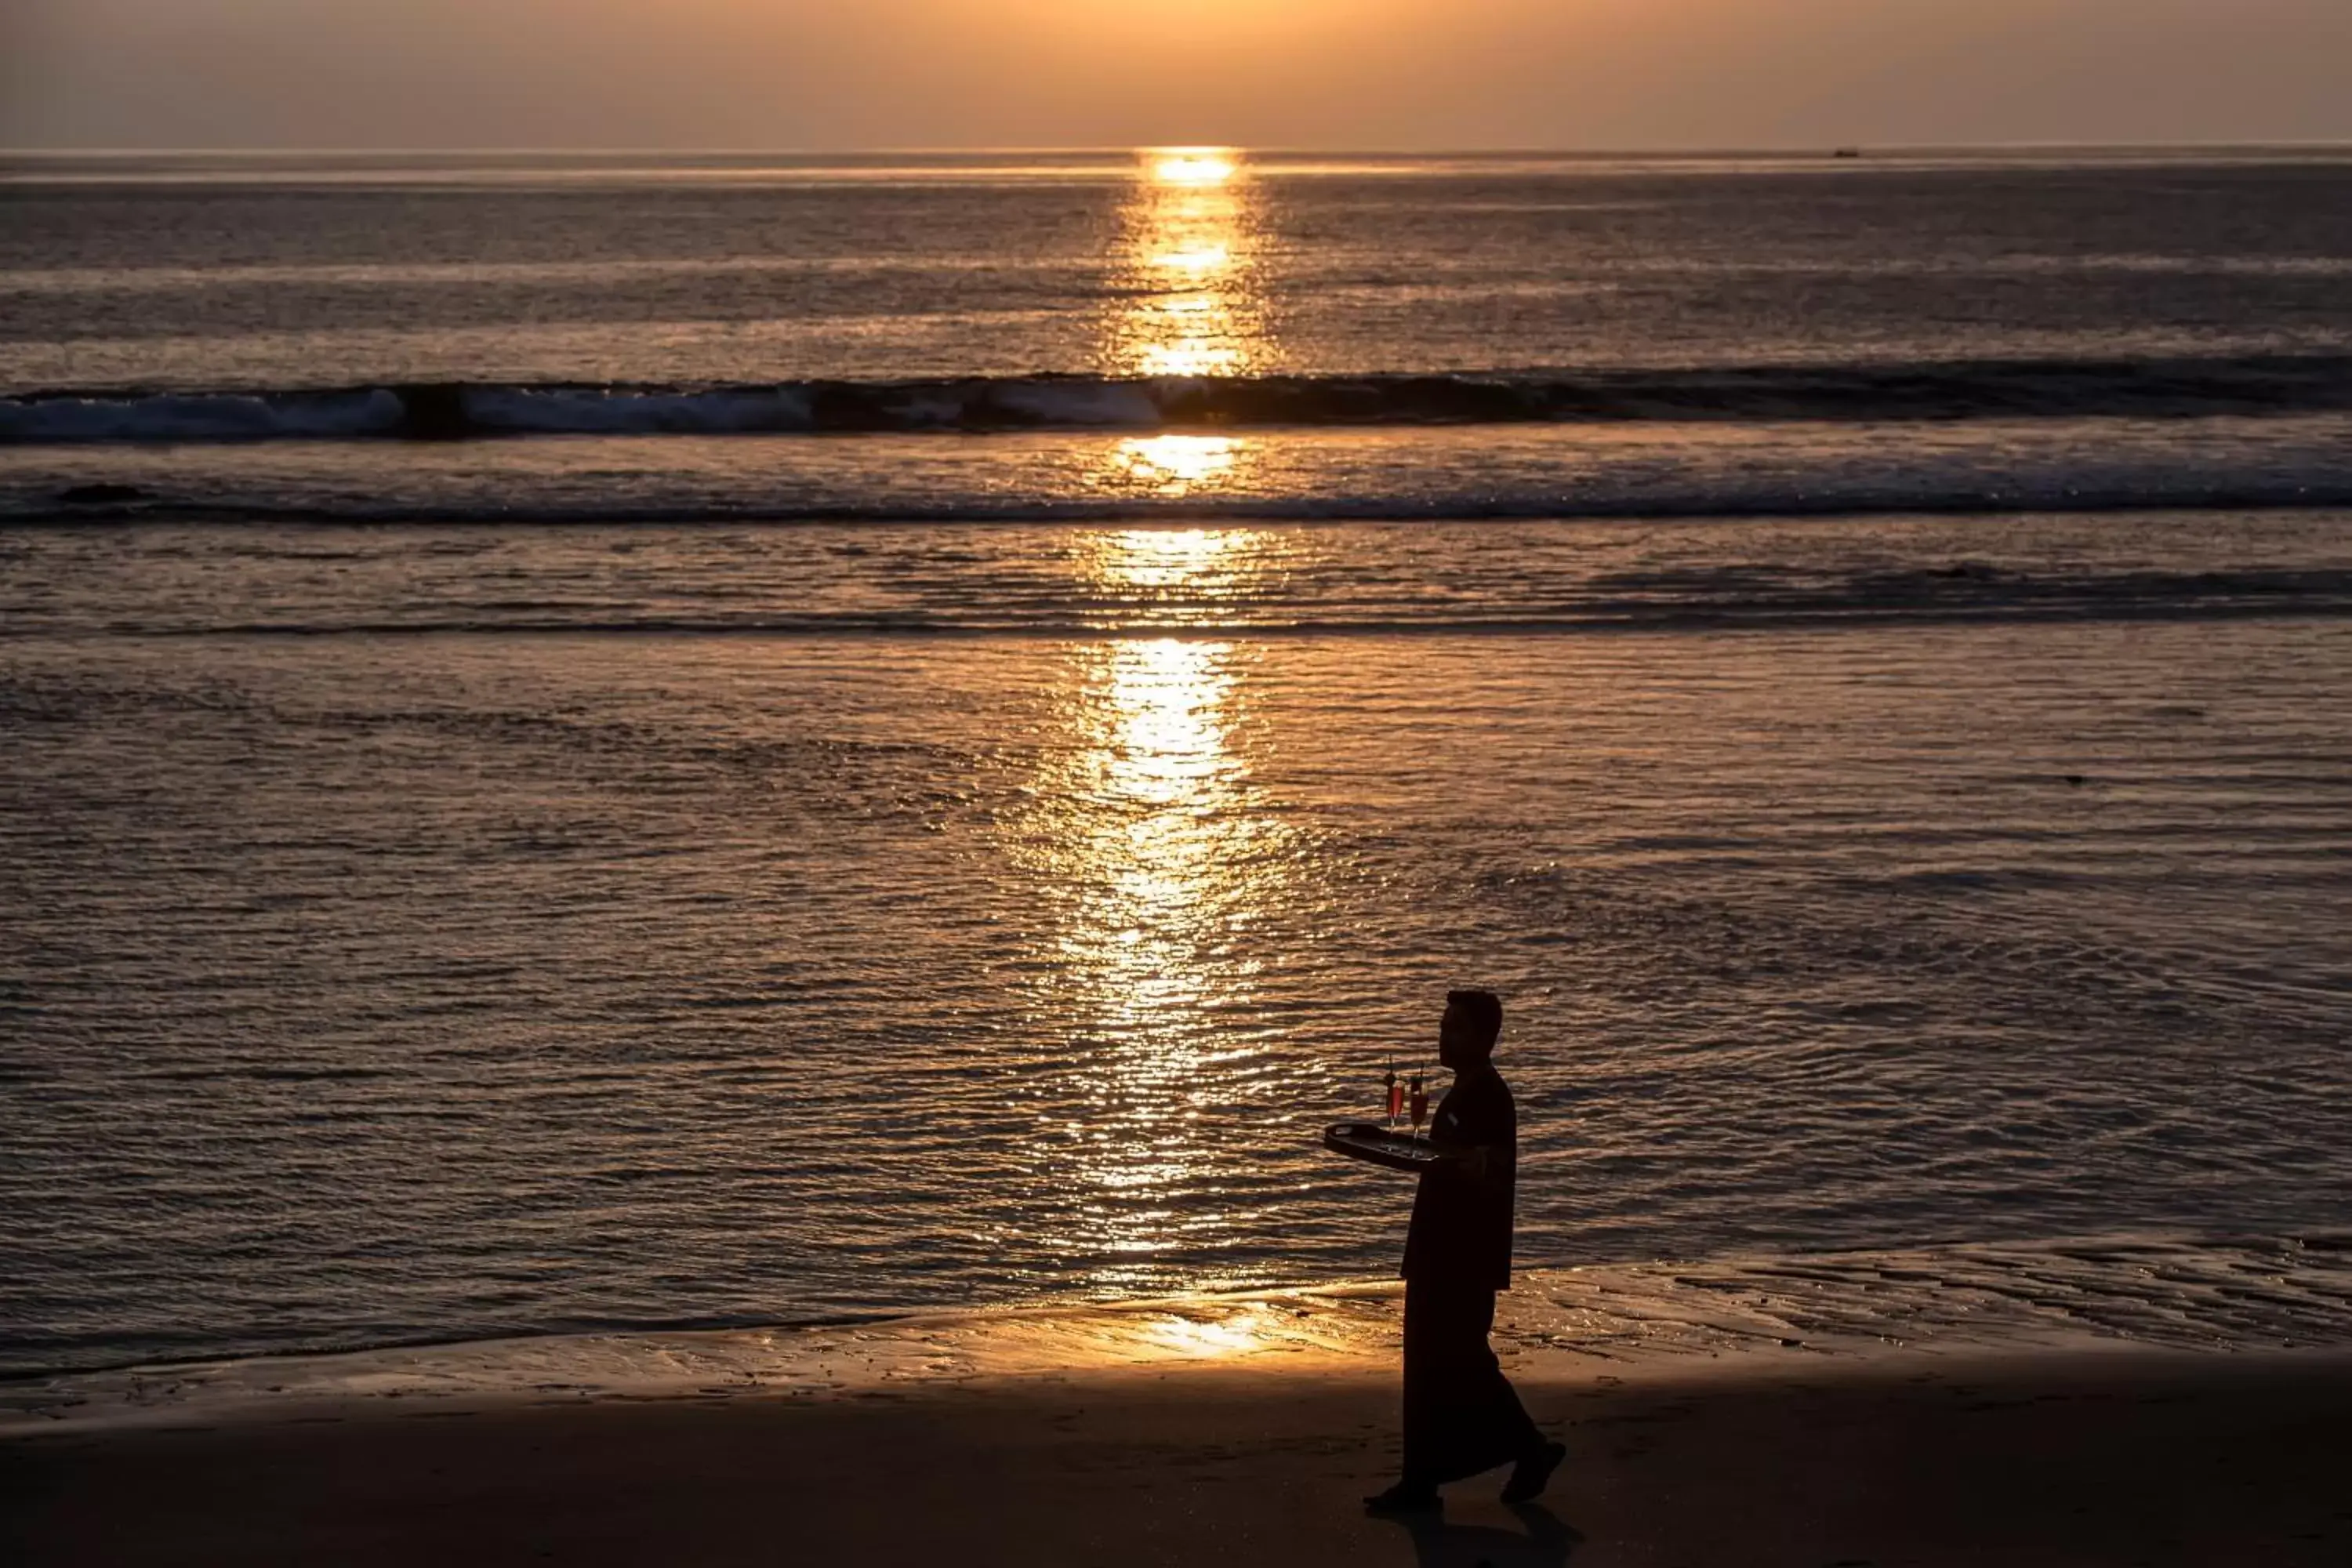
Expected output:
(827, 74)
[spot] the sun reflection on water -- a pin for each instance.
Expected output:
(1161, 854)
(1186, 303)
(1185, 270)
(1193, 166)
(1159, 789)
(1174, 465)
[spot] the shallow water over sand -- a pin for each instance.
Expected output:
(1802, 1310)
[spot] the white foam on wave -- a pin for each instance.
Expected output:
(1081, 404)
(202, 416)
(1837, 394)
(595, 412)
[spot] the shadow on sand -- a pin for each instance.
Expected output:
(1541, 1541)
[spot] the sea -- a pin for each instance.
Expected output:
(613, 743)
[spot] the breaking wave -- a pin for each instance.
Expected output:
(1930, 494)
(1667, 600)
(2008, 389)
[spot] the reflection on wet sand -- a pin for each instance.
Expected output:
(1948, 1306)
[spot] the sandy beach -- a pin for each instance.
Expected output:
(2099, 1458)
(2010, 1405)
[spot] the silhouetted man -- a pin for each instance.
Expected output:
(1461, 1415)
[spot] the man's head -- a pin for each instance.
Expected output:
(1472, 1020)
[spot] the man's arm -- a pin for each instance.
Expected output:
(1485, 1130)
(1474, 1161)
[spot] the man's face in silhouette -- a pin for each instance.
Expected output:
(1461, 1042)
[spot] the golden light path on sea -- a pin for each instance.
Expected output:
(1184, 270)
(1174, 466)
(1163, 852)
(1194, 165)
(1186, 300)
(1155, 836)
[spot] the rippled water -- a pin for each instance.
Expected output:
(445, 931)
(620, 742)
(1171, 335)
(260, 272)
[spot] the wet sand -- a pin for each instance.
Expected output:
(2119, 1456)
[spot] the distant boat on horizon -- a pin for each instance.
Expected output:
(1847, 152)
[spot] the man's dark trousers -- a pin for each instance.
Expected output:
(1461, 1415)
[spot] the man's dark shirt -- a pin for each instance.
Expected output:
(1461, 1232)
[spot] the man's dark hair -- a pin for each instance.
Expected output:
(1483, 1008)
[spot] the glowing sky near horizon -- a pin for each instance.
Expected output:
(1309, 73)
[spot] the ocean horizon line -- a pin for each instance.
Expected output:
(1630, 149)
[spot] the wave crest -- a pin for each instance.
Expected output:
(452, 411)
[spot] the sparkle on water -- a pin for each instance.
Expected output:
(380, 986)
(1175, 465)
(1194, 166)
(1189, 302)
(1158, 838)
(1073, 936)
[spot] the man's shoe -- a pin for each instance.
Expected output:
(1533, 1473)
(1404, 1497)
